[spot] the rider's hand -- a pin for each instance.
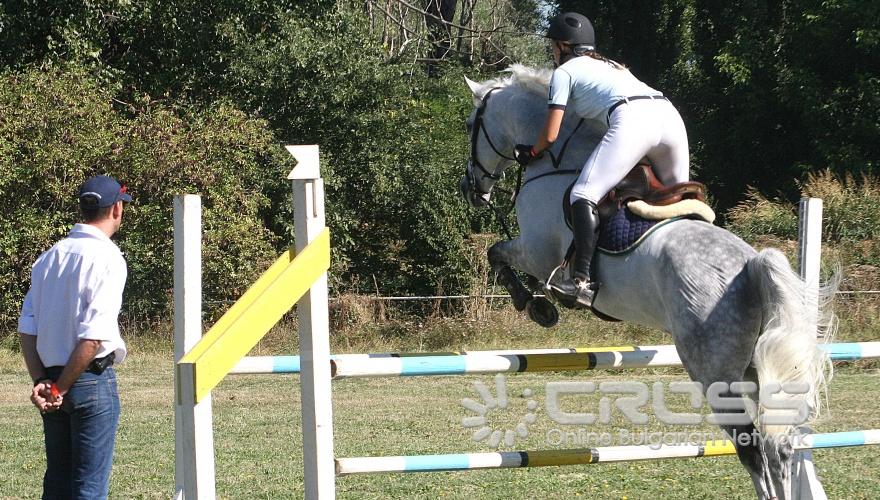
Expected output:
(524, 154)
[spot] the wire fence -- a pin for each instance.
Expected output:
(404, 298)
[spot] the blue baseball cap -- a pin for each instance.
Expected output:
(101, 191)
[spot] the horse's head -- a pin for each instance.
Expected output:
(507, 111)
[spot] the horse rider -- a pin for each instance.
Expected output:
(640, 121)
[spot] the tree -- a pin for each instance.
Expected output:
(770, 91)
(488, 34)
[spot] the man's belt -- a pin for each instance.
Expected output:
(97, 366)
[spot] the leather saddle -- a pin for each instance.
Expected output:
(640, 184)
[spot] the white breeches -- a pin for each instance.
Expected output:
(647, 127)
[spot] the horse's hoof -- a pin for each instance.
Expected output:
(542, 312)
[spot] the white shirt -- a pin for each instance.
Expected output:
(76, 294)
(593, 86)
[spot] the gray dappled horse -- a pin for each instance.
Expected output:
(735, 315)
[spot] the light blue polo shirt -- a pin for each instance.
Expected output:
(591, 86)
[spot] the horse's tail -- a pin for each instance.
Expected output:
(787, 349)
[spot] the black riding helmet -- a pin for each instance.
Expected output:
(574, 29)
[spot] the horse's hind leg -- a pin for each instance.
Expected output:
(710, 360)
(780, 453)
(715, 341)
(750, 445)
(750, 449)
(540, 310)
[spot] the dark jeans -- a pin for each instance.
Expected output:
(80, 438)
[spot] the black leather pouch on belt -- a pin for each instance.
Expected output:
(98, 365)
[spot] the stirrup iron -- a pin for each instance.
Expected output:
(572, 293)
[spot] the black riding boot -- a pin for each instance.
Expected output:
(585, 219)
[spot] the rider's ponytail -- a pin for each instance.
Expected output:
(568, 51)
(581, 50)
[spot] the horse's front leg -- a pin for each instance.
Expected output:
(502, 256)
(500, 259)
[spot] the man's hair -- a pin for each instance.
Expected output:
(93, 214)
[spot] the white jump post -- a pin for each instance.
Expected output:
(314, 337)
(194, 433)
(805, 484)
(810, 249)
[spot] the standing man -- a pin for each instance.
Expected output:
(70, 338)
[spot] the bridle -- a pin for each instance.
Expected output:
(479, 126)
(476, 128)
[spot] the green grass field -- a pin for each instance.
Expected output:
(257, 427)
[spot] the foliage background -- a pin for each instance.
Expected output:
(189, 96)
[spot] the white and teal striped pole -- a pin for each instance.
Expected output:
(507, 361)
(585, 456)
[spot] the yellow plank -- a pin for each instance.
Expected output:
(241, 305)
(233, 337)
(715, 448)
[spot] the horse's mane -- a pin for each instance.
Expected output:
(534, 80)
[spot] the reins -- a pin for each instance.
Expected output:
(555, 160)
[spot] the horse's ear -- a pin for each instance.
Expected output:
(475, 87)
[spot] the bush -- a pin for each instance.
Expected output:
(393, 142)
(757, 216)
(60, 127)
(850, 216)
(393, 146)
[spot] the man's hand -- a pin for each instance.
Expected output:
(42, 397)
(524, 154)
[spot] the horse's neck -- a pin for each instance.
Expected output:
(522, 116)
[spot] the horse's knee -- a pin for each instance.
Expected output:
(496, 255)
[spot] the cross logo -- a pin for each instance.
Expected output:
(488, 404)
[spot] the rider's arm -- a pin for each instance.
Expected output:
(560, 90)
(551, 129)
